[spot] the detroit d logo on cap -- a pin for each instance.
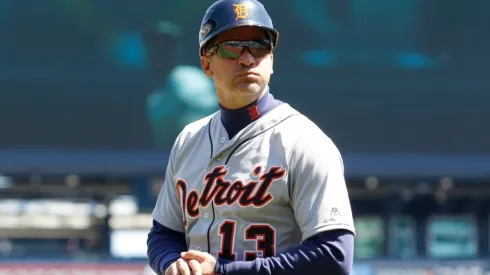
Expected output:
(241, 11)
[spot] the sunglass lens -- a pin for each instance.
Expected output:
(259, 52)
(230, 51)
(235, 49)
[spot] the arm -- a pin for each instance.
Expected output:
(330, 251)
(167, 236)
(164, 247)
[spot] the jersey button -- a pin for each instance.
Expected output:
(206, 215)
(198, 248)
(222, 140)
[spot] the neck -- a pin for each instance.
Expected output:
(234, 120)
(234, 101)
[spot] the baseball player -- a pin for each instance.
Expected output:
(256, 187)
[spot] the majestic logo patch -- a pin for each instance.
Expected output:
(221, 191)
(241, 11)
(205, 29)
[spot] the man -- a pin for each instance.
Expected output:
(255, 188)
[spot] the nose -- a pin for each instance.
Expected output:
(246, 59)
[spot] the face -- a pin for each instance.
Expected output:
(242, 79)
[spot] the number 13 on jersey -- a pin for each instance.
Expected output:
(263, 235)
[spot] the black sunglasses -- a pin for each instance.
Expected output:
(234, 49)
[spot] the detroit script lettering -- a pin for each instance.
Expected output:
(222, 191)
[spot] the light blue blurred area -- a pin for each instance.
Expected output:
(187, 96)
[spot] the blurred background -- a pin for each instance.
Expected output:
(93, 93)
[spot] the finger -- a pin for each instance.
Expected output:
(193, 255)
(183, 268)
(195, 267)
(172, 270)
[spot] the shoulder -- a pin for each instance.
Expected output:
(193, 131)
(305, 140)
(190, 137)
(301, 129)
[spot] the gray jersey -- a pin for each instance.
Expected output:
(278, 182)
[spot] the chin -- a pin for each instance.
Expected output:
(249, 88)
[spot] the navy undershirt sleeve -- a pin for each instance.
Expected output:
(164, 247)
(330, 252)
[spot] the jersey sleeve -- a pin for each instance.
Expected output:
(318, 190)
(168, 210)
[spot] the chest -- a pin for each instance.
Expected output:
(242, 180)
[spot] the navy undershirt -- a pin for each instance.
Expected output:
(235, 120)
(330, 251)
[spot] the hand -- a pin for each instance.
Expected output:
(207, 262)
(183, 267)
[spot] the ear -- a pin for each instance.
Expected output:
(206, 65)
(272, 63)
